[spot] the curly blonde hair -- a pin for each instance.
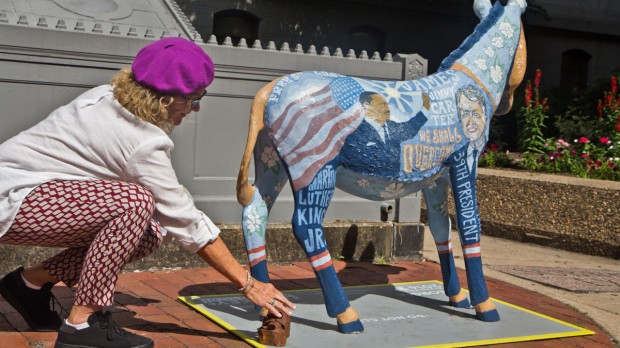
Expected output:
(145, 103)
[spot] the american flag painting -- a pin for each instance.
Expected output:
(309, 129)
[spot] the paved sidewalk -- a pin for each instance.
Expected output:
(553, 273)
(146, 301)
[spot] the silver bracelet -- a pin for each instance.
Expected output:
(247, 282)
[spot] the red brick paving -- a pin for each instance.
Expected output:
(146, 304)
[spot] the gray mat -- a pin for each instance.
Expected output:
(394, 315)
(575, 280)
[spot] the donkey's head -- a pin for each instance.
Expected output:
(519, 62)
(495, 54)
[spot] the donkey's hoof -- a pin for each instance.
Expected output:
(274, 330)
(488, 316)
(461, 304)
(353, 327)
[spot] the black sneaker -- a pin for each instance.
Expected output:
(103, 332)
(33, 305)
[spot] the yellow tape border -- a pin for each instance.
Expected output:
(580, 331)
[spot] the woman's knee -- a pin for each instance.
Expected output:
(143, 201)
(150, 241)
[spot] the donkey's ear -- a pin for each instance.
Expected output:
(482, 8)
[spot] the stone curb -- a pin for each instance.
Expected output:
(359, 241)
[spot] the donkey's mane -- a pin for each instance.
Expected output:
(481, 29)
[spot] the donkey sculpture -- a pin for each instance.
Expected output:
(384, 140)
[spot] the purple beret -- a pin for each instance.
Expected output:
(173, 65)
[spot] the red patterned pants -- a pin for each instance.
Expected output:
(103, 224)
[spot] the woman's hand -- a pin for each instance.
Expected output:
(262, 294)
(270, 298)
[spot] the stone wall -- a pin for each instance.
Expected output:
(358, 241)
(580, 215)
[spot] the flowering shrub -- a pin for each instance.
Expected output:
(597, 159)
(534, 116)
(608, 108)
(493, 157)
(582, 157)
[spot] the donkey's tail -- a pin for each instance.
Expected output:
(245, 191)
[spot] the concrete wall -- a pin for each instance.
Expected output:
(42, 68)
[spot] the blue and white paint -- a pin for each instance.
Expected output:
(383, 140)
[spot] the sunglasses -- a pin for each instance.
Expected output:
(193, 103)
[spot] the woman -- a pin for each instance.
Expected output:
(95, 177)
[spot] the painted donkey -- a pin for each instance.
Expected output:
(384, 140)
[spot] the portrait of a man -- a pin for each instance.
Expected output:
(374, 147)
(473, 117)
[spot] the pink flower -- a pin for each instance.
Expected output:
(605, 140)
(584, 140)
(561, 142)
(584, 155)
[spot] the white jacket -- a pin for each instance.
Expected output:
(93, 137)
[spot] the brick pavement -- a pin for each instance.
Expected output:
(146, 303)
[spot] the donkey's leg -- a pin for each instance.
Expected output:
(270, 178)
(464, 192)
(255, 210)
(254, 225)
(439, 224)
(311, 204)
(245, 191)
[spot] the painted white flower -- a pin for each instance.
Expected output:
(254, 222)
(489, 51)
(507, 29)
(362, 183)
(496, 73)
(465, 61)
(481, 64)
(392, 190)
(269, 157)
(497, 41)
(444, 208)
